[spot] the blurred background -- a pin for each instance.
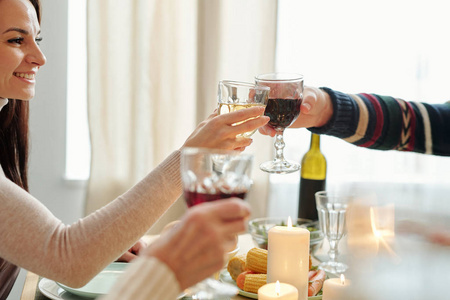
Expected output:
(127, 81)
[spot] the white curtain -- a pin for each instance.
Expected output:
(153, 69)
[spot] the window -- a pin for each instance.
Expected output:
(78, 146)
(358, 46)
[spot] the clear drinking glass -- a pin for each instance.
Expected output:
(236, 95)
(332, 208)
(209, 175)
(283, 108)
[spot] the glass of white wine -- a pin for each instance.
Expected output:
(236, 95)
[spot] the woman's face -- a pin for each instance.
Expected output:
(20, 55)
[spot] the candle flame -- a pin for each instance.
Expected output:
(375, 231)
(277, 288)
(381, 234)
(289, 222)
(342, 279)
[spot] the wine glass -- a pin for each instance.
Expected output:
(331, 208)
(209, 175)
(283, 108)
(236, 95)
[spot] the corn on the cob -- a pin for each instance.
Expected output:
(257, 260)
(236, 265)
(254, 281)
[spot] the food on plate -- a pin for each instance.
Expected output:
(253, 282)
(257, 260)
(316, 279)
(254, 276)
(237, 265)
(250, 272)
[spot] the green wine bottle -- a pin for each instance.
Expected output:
(312, 179)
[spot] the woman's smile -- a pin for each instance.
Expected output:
(28, 77)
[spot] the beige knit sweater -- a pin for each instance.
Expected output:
(33, 238)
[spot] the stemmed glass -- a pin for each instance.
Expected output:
(209, 175)
(236, 95)
(283, 108)
(332, 209)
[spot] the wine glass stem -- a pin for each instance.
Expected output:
(333, 253)
(279, 146)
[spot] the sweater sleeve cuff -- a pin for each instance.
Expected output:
(345, 116)
(145, 278)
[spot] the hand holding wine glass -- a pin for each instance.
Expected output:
(211, 175)
(221, 131)
(235, 95)
(316, 110)
(283, 108)
(194, 247)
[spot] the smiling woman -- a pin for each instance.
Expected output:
(34, 239)
(20, 54)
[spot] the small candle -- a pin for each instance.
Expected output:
(288, 257)
(337, 289)
(278, 291)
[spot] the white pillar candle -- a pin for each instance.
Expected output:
(337, 289)
(277, 291)
(288, 257)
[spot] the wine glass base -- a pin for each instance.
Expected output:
(279, 167)
(211, 289)
(333, 267)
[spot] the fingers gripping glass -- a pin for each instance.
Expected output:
(209, 175)
(283, 108)
(236, 95)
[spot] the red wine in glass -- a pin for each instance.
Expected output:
(282, 112)
(283, 108)
(193, 198)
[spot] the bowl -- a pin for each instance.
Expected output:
(259, 229)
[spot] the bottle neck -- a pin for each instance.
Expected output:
(315, 141)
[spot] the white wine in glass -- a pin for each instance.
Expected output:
(237, 95)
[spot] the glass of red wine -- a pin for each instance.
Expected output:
(210, 175)
(283, 108)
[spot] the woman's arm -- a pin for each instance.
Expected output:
(33, 238)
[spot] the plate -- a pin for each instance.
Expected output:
(225, 277)
(51, 290)
(100, 284)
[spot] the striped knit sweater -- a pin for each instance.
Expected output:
(387, 123)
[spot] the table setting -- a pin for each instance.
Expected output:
(343, 255)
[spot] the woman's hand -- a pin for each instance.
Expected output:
(133, 252)
(219, 131)
(315, 111)
(195, 248)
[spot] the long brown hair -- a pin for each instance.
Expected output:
(14, 134)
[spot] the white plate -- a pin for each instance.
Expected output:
(99, 285)
(225, 277)
(51, 290)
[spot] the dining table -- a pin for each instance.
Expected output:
(31, 289)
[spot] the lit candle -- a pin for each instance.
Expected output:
(278, 291)
(288, 257)
(337, 289)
